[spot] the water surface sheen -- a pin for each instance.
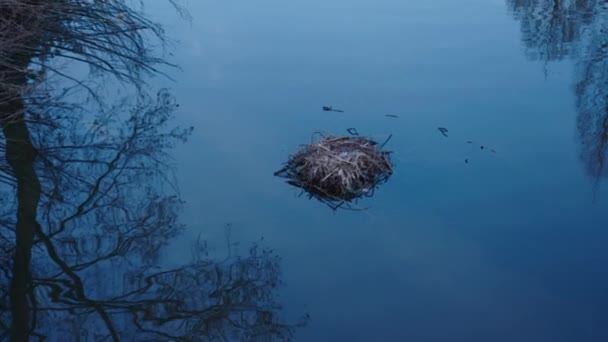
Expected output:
(492, 228)
(509, 246)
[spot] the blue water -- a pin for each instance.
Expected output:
(463, 243)
(507, 247)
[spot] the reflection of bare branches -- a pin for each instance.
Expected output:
(234, 299)
(109, 36)
(90, 202)
(103, 220)
(592, 100)
(552, 28)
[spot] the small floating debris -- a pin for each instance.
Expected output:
(470, 142)
(386, 141)
(482, 147)
(352, 131)
(330, 109)
(338, 170)
(391, 115)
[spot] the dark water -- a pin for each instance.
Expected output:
(504, 243)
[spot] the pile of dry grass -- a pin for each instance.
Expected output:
(338, 170)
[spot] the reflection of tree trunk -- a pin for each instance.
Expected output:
(20, 154)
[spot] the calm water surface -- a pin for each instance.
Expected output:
(507, 247)
(504, 243)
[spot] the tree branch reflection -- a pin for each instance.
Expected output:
(106, 208)
(553, 30)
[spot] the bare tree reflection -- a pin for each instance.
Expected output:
(108, 36)
(554, 29)
(86, 203)
(106, 210)
(592, 99)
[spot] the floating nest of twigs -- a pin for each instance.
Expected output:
(338, 170)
